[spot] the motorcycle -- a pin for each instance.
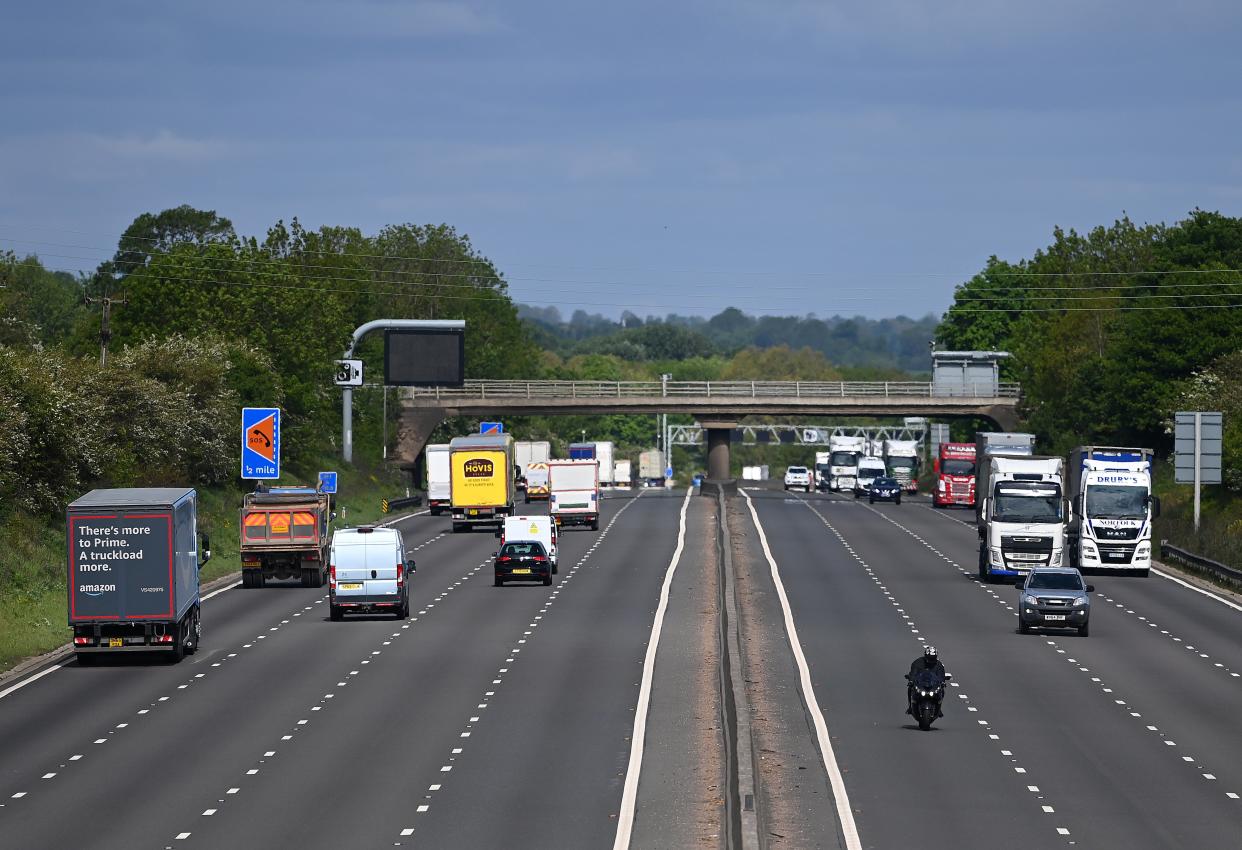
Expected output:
(926, 693)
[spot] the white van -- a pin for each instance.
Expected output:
(532, 527)
(367, 571)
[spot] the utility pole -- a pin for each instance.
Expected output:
(105, 326)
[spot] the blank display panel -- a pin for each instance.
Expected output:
(424, 358)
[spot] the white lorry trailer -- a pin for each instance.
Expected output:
(1110, 526)
(604, 454)
(902, 459)
(651, 468)
(1022, 514)
(575, 492)
(622, 476)
(439, 479)
(822, 470)
(844, 453)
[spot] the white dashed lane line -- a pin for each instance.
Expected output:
(981, 723)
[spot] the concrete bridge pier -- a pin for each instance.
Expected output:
(719, 435)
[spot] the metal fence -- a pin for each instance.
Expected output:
(711, 389)
(1224, 572)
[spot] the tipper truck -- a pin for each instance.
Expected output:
(284, 534)
(955, 475)
(843, 461)
(1110, 525)
(484, 489)
(651, 468)
(575, 492)
(902, 460)
(133, 561)
(1022, 513)
(439, 479)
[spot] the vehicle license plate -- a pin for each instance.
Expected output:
(1054, 616)
(524, 571)
(116, 641)
(352, 585)
(474, 512)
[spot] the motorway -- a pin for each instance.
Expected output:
(505, 717)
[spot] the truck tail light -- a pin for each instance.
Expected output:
(161, 639)
(81, 641)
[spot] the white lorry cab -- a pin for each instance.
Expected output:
(575, 492)
(844, 453)
(538, 527)
(1022, 510)
(1110, 527)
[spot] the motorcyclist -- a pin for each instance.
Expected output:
(930, 661)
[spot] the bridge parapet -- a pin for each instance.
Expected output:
(686, 390)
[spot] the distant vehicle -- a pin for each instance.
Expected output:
(1110, 525)
(536, 482)
(527, 452)
(869, 469)
(575, 492)
(1022, 512)
(902, 459)
(582, 451)
(843, 461)
(284, 535)
(622, 474)
(798, 477)
(133, 572)
(538, 527)
(1054, 598)
(604, 454)
(884, 490)
(483, 480)
(822, 470)
(651, 468)
(524, 561)
(368, 573)
(955, 475)
(439, 479)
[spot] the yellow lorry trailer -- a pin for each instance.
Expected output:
(483, 488)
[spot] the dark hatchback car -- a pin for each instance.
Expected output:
(523, 560)
(884, 490)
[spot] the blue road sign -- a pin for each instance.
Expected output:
(260, 456)
(491, 427)
(327, 482)
(668, 472)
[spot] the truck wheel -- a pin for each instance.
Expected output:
(595, 524)
(194, 634)
(178, 650)
(308, 577)
(335, 614)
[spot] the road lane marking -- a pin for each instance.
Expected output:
(845, 814)
(24, 682)
(629, 795)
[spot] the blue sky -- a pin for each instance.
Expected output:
(782, 156)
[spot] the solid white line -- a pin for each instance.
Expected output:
(220, 590)
(1190, 586)
(404, 517)
(629, 796)
(844, 813)
(4, 693)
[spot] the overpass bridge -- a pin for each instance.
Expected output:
(716, 405)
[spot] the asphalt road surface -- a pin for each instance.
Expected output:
(505, 717)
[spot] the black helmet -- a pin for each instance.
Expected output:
(929, 655)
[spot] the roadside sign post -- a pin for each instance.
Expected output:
(327, 483)
(348, 373)
(1197, 450)
(260, 433)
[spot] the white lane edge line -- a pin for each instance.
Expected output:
(845, 814)
(24, 682)
(1190, 586)
(629, 794)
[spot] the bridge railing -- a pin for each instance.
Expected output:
(484, 389)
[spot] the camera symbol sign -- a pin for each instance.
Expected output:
(260, 456)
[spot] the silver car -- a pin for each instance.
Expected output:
(1054, 598)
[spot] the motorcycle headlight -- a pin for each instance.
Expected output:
(1081, 601)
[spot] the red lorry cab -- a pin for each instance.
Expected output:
(955, 475)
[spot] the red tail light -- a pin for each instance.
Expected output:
(81, 641)
(504, 558)
(400, 575)
(539, 558)
(332, 576)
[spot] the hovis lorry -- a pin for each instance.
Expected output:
(575, 492)
(902, 459)
(484, 489)
(843, 468)
(439, 479)
(1110, 526)
(284, 534)
(955, 475)
(1022, 513)
(133, 559)
(651, 468)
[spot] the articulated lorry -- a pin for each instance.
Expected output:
(844, 453)
(955, 475)
(284, 534)
(604, 454)
(902, 460)
(1022, 512)
(1110, 525)
(484, 487)
(623, 473)
(651, 468)
(575, 492)
(439, 479)
(133, 561)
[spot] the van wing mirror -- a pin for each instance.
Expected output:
(410, 566)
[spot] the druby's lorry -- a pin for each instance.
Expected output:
(133, 562)
(484, 488)
(1110, 525)
(844, 453)
(575, 492)
(955, 475)
(1022, 514)
(284, 534)
(439, 479)
(651, 468)
(902, 459)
